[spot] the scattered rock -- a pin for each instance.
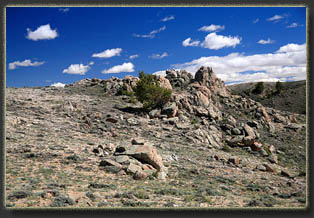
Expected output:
(269, 168)
(234, 160)
(137, 141)
(286, 173)
(62, 201)
(170, 109)
(18, 195)
(256, 146)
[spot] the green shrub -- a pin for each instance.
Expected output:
(259, 88)
(149, 92)
(279, 86)
(124, 91)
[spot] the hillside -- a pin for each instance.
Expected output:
(292, 98)
(85, 146)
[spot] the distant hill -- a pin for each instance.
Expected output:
(292, 98)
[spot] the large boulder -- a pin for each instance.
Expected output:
(145, 154)
(204, 75)
(164, 82)
(170, 109)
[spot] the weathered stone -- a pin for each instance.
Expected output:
(249, 131)
(133, 121)
(286, 173)
(202, 99)
(248, 141)
(140, 175)
(256, 146)
(213, 114)
(109, 162)
(273, 158)
(234, 141)
(269, 168)
(170, 109)
(133, 168)
(154, 113)
(263, 152)
(138, 141)
(252, 124)
(279, 119)
(164, 82)
(182, 126)
(122, 159)
(236, 131)
(231, 120)
(145, 154)
(204, 75)
(200, 111)
(234, 160)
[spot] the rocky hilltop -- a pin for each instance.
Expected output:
(85, 145)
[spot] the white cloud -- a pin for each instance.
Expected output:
(159, 56)
(287, 63)
(108, 53)
(58, 84)
(291, 48)
(125, 67)
(160, 73)
(293, 25)
(256, 20)
(152, 34)
(134, 56)
(78, 69)
(264, 42)
(91, 63)
(214, 41)
(189, 42)
(64, 10)
(25, 63)
(168, 18)
(275, 18)
(42, 32)
(211, 28)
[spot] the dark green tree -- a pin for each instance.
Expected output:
(149, 92)
(279, 86)
(259, 88)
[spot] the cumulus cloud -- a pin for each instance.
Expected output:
(159, 56)
(287, 63)
(108, 53)
(79, 69)
(41, 33)
(291, 47)
(125, 67)
(25, 63)
(134, 56)
(58, 84)
(211, 28)
(275, 18)
(214, 41)
(264, 42)
(189, 42)
(160, 73)
(168, 18)
(152, 34)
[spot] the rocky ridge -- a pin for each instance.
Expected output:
(220, 142)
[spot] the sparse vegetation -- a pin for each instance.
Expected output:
(149, 92)
(279, 87)
(259, 88)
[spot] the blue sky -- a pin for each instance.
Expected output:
(49, 45)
